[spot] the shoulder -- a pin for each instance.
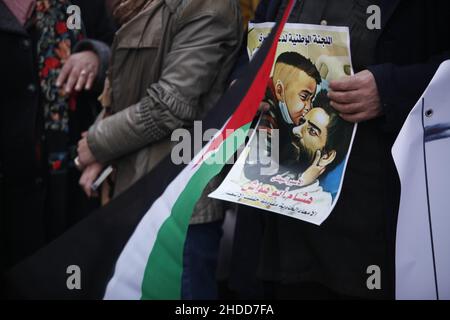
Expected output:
(187, 10)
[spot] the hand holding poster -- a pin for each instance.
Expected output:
(295, 161)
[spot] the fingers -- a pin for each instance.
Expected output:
(84, 153)
(327, 159)
(82, 77)
(344, 97)
(358, 81)
(348, 108)
(79, 72)
(82, 144)
(90, 81)
(72, 80)
(86, 186)
(322, 170)
(317, 157)
(84, 183)
(85, 80)
(80, 151)
(356, 98)
(348, 83)
(78, 164)
(84, 134)
(349, 112)
(87, 179)
(65, 71)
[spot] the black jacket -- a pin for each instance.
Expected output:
(23, 171)
(19, 87)
(360, 232)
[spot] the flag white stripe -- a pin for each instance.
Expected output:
(129, 272)
(130, 267)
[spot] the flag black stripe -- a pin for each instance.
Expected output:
(95, 243)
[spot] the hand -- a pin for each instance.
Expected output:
(317, 168)
(85, 155)
(88, 177)
(356, 97)
(79, 71)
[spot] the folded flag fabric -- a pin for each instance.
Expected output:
(133, 248)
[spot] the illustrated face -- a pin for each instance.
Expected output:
(313, 132)
(297, 92)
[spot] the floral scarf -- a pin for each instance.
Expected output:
(54, 48)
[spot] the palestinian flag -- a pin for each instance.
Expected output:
(133, 247)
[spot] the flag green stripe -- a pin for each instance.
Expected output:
(162, 277)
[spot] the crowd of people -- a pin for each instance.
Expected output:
(73, 102)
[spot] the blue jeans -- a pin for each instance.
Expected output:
(200, 257)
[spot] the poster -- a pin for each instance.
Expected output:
(294, 162)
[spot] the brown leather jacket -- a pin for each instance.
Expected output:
(169, 66)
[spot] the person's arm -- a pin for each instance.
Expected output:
(199, 49)
(400, 87)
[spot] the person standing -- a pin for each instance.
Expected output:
(37, 119)
(297, 260)
(170, 65)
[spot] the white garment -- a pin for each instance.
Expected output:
(422, 156)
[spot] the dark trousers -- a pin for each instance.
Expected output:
(201, 253)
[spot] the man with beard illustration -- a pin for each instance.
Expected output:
(322, 140)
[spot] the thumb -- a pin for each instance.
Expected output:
(317, 158)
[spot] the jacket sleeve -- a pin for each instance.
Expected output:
(401, 86)
(199, 48)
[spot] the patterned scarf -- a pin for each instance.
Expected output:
(54, 48)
